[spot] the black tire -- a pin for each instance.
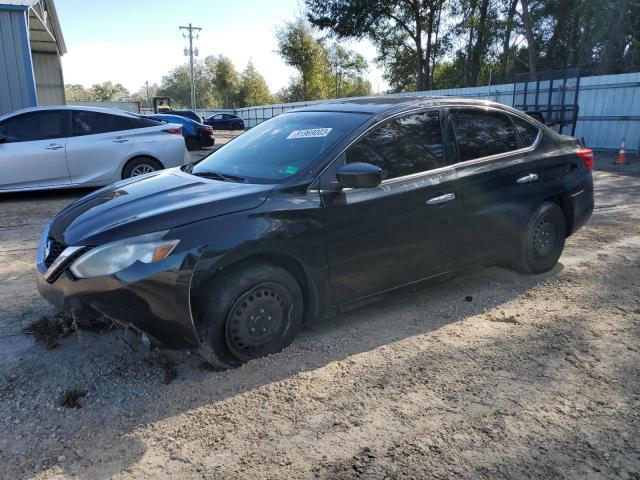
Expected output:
(236, 126)
(249, 312)
(193, 143)
(543, 240)
(140, 166)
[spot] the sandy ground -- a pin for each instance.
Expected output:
(536, 377)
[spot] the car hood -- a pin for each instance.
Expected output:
(155, 202)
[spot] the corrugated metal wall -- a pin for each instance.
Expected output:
(49, 82)
(17, 86)
(609, 108)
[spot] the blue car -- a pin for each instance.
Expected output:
(225, 121)
(196, 135)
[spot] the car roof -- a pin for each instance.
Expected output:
(176, 117)
(390, 104)
(111, 111)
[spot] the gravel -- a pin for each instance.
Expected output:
(491, 375)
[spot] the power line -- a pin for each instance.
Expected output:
(190, 52)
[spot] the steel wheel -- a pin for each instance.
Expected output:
(544, 237)
(257, 320)
(247, 311)
(542, 240)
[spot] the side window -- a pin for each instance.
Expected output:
(528, 132)
(92, 123)
(403, 146)
(35, 126)
(480, 134)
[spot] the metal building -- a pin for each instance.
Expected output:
(31, 45)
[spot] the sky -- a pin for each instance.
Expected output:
(134, 41)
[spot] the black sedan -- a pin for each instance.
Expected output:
(224, 121)
(314, 210)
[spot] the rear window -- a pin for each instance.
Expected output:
(280, 147)
(93, 123)
(482, 133)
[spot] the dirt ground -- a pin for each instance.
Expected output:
(492, 375)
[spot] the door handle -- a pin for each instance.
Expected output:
(447, 197)
(121, 140)
(531, 177)
(53, 146)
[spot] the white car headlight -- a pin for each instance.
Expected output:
(116, 256)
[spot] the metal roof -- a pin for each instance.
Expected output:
(44, 25)
(20, 3)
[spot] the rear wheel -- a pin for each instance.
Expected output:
(193, 143)
(140, 166)
(236, 126)
(249, 312)
(543, 240)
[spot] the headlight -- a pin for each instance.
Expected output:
(116, 256)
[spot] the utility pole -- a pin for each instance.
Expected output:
(147, 85)
(190, 53)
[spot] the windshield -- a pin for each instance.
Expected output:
(280, 147)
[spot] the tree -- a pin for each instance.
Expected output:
(145, 94)
(300, 49)
(506, 39)
(226, 80)
(396, 25)
(108, 92)
(531, 41)
(177, 86)
(347, 68)
(253, 88)
(76, 93)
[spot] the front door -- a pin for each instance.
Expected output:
(33, 150)
(402, 230)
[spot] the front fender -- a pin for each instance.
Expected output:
(293, 234)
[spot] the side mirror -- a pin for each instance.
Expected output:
(359, 175)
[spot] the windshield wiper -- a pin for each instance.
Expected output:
(219, 176)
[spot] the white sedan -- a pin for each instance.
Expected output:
(63, 147)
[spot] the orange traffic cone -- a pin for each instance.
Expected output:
(621, 159)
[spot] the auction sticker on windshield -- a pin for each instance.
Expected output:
(310, 133)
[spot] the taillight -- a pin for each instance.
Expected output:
(174, 131)
(586, 155)
(209, 130)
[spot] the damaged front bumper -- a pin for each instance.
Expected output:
(153, 298)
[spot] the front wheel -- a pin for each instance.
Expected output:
(543, 240)
(249, 312)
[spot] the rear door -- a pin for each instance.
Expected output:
(98, 145)
(33, 153)
(403, 230)
(499, 181)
